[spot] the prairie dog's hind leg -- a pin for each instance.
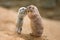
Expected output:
(19, 29)
(21, 14)
(19, 26)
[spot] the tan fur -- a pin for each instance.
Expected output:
(36, 23)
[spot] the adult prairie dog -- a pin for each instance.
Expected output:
(36, 23)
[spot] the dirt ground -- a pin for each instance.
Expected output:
(8, 27)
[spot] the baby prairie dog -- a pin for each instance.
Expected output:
(36, 23)
(21, 15)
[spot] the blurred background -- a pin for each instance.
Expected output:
(48, 8)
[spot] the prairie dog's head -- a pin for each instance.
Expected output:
(32, 11)
(32, 8)
(22, 12)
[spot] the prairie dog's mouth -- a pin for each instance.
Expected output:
(29, 11)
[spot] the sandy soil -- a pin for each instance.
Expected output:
(8, 27)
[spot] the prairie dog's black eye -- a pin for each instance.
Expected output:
(32, 7)
(29, 7)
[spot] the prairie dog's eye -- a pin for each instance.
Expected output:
(29, 7)
(32, 7)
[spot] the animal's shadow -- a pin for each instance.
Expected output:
(29, 37)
